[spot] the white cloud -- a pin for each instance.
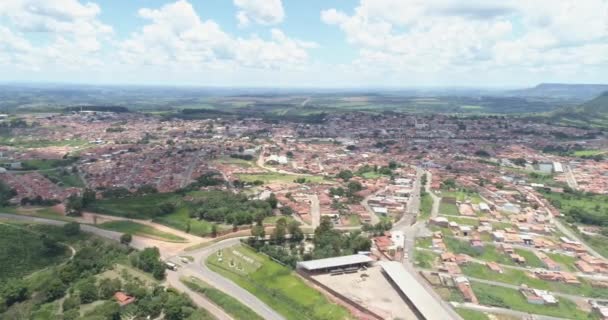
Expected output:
(177, 37)
(73, 32)
(265, 12)
(434, 36)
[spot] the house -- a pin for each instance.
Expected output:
(517, 258)
(494, 267)
(123, 299)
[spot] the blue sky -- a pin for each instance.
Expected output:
(312, 43)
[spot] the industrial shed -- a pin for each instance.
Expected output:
(336, 264)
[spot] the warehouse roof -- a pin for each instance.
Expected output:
(334, 262)
(427, 305)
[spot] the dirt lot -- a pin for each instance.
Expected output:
(373, 292)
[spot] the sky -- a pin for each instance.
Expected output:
(305, 43)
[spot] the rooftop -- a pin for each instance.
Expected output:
(334, 262)
(427, 305)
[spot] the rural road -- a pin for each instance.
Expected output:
(197, 268)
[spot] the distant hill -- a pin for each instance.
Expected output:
(591, 113)
(580, 92)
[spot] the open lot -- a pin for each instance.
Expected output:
(370, 289)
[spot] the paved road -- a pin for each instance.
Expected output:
(173, 279)
(315, 210)
(365, 204)
(200, 270)
(199, 300)
(570, 179)
(508, 312)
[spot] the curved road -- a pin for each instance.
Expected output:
(197, 269)
(200, 270)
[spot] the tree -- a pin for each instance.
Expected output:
(87, 290)
(214, 230)
(258, 231)
(280, 230)
(294, 230)
(88, 197)
(74, 205)
(54, 290)
(14, 291)
(345, 175)
(126, 238)
(71, 302)
(107, 287)
(392, 165)
(272, 200)
(354, 186)
(71, 228)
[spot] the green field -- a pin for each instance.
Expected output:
(446, 207)
(232, 306)
(272, 177)
(64, 179)
(275, 285)
(181, 218)
(426, 206)
(518, 277)
(424, 259)
(133, 207)
(513, 299)
(467, 314)
(491, 253)
(588, 153)
(23, 251)
(462, 196)
(139, 229)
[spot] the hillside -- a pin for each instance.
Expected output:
(579, 92)
(591, 113)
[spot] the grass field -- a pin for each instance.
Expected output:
(513, 299)
(588, 153)
(180, 219)
(271, 177)
(518, 277)
(446, 207)
(275, 285)
(467, 314)
(424, 259)
(64, 180)
(133, 207)
(462, 196)
(491, 253)
(23, 251)
(229, 304)
(139, 229)
(426, 206)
